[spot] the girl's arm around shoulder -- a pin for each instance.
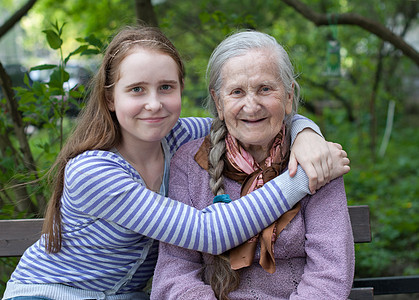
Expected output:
(321, 160)
(102, 185)
(187, 129)
(299, 123)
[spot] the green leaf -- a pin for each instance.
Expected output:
(58, 77)
(90, 52)
(37, 87)
(205, 17)
(26, 80)
(77, 51)
(53, 39)
(43, 67)
(60, 30)
(76, 94)
(94, 41)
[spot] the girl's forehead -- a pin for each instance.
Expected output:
(142, 55)
(147, 66)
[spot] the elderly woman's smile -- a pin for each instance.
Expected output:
(252, 100)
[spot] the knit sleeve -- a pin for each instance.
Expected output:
(98, 186)
(178, 275)
(329, 269)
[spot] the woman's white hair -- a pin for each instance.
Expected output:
(241, 43)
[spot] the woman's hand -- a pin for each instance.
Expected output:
(321, 160)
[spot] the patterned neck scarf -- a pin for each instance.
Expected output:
(242, 163)
(241, 167)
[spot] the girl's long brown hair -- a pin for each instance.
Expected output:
(97, 128)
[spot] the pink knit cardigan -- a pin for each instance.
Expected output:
(314, 253)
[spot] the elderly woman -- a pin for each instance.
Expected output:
(306, 254)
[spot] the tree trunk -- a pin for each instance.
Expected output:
(373, 117)
(16, 17)
(19, 130)
(145, 13)
(345, 102)
(353, 19)
(21, 197)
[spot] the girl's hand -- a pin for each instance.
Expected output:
(321, 160)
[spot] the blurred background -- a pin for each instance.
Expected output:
(358, 69)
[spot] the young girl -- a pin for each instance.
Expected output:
(108, 204)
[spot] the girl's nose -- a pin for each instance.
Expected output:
(153, 104)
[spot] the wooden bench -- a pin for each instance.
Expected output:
(361, 229)
(17, 235)
(366, 288)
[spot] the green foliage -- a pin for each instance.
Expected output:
(44, 108)
(390, 188)
(387, 184)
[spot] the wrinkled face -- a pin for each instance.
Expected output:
(252, 100)
(147, 96)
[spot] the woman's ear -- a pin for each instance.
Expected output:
(289, 100)
(218, 105)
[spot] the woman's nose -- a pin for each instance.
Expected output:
(251, 103)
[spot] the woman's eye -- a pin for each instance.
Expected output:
(236, 92)
(265, 89)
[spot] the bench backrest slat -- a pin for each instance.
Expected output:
(17, 235)
(360, 221)
(366, 293)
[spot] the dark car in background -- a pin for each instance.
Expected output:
(79, 76)
(16, 73)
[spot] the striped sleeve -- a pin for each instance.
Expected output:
(299, 123)
(187, 129)
(98, 186)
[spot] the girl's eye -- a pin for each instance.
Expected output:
(137, 89)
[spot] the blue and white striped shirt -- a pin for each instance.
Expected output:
(111, 221)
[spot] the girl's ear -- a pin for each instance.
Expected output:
(110, 104)
(218, 105)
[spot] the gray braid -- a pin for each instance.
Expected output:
(216, 156)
